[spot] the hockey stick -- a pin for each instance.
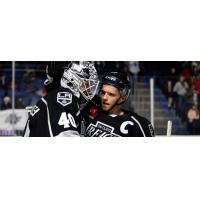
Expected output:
(169, 128)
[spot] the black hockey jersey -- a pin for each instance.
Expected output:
(128, 125)
(56, 114)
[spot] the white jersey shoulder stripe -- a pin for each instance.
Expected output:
(139, 125)
(48, 117)
(27, 130)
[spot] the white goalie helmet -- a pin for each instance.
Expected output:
(82, 79)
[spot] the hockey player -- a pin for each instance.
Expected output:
(110, 120)
(58, 113)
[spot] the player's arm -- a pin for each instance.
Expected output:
(147, 127)
(36, 122)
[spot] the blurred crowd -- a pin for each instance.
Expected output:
(28, 83)
(30, 77)
(180, 82)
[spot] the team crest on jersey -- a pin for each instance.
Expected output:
(34, 110)
(100, 130)
(64, 98)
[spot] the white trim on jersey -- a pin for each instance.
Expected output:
(27, 130)
(78, 113)
(48, 117)
(139, 125)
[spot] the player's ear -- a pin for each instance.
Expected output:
(122, 99)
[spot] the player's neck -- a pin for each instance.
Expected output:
(117, 111)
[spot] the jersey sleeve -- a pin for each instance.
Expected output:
(36, 125)
(147, 127)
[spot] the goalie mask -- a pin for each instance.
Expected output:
(82, 79)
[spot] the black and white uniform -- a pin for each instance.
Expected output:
(57, 114)
(128, 125)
